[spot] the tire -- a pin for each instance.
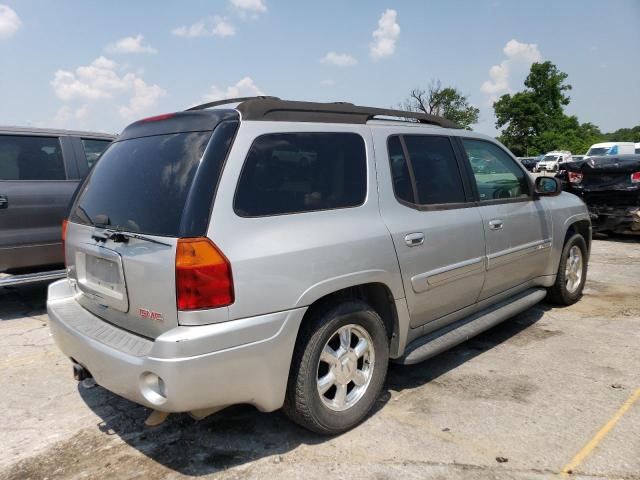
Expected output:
(565, 291)
(326, 413)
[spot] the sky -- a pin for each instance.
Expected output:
(97, 65)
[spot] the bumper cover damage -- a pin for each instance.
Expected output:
(608, 186)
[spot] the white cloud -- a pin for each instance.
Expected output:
(128, 94)
(328, 82)
(385, 36)
(215, 26)
(243, 88)
(9, 22)
(249, 6)
(130, 45)
(339, 59)
(520, 56)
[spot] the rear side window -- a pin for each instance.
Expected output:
(302, 172)
(433, 166)
(141, 185)
(497, 175)
(31, 158)
(93, 149)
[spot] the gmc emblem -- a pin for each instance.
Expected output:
(144, 313)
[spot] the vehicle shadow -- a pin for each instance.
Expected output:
(23, 301)
(241, 434)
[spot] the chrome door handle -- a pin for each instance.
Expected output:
(496, 224)
(414, 239)
(4, 201)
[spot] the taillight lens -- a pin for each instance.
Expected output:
(203, 275)
(64, 239)
(575, 177)
(635, 177)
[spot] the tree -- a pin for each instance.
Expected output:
(533, 120)
(447, 102)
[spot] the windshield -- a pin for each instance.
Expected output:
(599, 151)
(141, 185)
(550, 158)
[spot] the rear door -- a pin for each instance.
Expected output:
(436, 230)
(156, 182)
(37, 180)
(88, 150)
(517, 227)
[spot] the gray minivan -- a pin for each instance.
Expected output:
(279, 253)
(40, 170)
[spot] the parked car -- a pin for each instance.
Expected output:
(610, 186)
(40, 170)
(611, 148)
(279, 253)
(637, 148)
(552, 161)
(528, 162)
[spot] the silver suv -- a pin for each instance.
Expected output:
(280, 253)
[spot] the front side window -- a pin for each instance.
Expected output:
(93, 149)
(302, 172)
(496, 174)
(31, 158)
(432, 163)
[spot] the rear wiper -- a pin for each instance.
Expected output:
(118, 236)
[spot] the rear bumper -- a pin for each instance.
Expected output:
(201, 367)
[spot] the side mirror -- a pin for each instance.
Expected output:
(547, 186)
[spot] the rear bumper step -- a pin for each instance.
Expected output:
(437, 342)
(27, 278)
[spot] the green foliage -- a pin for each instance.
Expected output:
(447, 102)
(533, 120)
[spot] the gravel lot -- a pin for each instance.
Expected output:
(519, 401)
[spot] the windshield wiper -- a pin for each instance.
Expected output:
(118, 236)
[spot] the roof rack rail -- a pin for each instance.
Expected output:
(227, 101)
(274, 109)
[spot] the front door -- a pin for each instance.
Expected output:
(517, 228)
(436, 230)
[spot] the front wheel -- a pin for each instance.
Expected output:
(572, 272)
(338, 368)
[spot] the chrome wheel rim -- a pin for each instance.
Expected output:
(345, 367)
(573, 269)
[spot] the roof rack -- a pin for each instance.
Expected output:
(275, 109)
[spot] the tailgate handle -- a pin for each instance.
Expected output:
(414, 239)
(4, 201)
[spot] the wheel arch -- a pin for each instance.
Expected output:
(380, 297)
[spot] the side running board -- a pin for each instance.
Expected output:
(437, 342)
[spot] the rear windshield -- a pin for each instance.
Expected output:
(141, 185)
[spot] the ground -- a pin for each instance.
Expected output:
(519, 401)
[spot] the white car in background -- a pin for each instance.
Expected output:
(552, 161)
(612, 148)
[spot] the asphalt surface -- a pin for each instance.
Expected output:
(550, 389)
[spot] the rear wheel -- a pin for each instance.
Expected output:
(572, 272)
(338, 368)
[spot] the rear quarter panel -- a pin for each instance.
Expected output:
(288, 261)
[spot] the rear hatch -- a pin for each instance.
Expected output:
(155, 184)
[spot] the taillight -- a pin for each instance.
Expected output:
(203, 275)
(635, 177)
(575, 177)
(64, 238)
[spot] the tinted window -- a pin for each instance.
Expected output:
(496, 173)
(435, 170)
(400, 171)
(30, 158)
(141, 184)
(93, 149)
(302, 172)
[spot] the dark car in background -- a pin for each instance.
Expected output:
(610, 186)
(528, 162)
(40, 170)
